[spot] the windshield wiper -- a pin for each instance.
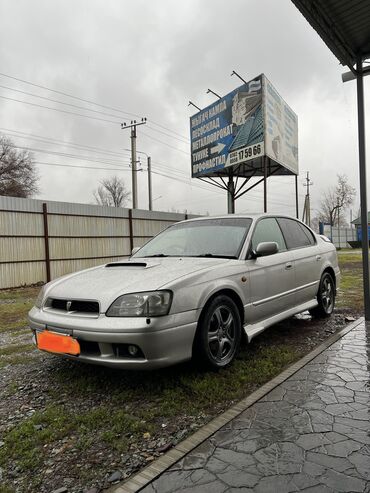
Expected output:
(212, 255)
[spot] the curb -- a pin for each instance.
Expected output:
(160, 465)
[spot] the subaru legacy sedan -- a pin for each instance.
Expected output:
(197, 290)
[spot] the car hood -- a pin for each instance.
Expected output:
(105, 283)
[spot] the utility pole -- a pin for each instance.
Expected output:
(133, 126)
(150, 182)
(149, 166)
(307, 205)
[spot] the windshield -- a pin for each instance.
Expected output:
(206, 238)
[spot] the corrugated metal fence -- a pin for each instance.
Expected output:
(43, 240)
(340, 236)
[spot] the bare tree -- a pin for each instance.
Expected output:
(112, 192)
(18, 176)
(336, 198)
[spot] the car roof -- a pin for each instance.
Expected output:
(252, 215)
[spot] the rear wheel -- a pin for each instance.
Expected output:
(325, 297)
(219, 333)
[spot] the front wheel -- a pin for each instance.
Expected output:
(325, 297)
(219, 333)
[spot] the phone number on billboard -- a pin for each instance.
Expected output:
(245, 154)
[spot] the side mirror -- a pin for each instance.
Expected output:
(266, 248)
(134, 250)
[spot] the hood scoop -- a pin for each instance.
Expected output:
(126, 264)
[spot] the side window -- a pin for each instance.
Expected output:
(296, 235)
(268, 230)
(308, 233)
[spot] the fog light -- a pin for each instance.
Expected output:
(132, 350)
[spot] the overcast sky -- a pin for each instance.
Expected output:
(149, 58)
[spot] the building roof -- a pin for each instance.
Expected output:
(343, 25)
(357, 221)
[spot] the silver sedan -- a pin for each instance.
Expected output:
(196, 290)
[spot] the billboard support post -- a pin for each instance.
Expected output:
(265, 185)
(296, 197)
(230, 195)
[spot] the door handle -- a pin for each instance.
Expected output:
(288, 265)
(318, 257)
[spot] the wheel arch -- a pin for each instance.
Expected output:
(329, 269)
(232, 295)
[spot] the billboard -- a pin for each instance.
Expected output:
(239, 129)
(281, 129)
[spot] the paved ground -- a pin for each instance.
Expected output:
(311, 433)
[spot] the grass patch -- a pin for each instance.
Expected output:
(350, 293)
(23, 348)
(17, 359)
(20, 332)
(16, 354)
(14, 307)
(19, 293)
(6, 489)
(177, 390)
(13, 316)
(14, 327)
(12, 312)
(24, 444)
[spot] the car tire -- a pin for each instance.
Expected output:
(325, 297)
(218, 335)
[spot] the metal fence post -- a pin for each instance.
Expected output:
(46, 241)
(131, 229)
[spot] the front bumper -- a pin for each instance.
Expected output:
(162, 341)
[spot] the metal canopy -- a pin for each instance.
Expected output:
(345, 28)
(342, 24)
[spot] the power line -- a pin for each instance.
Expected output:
(57, 109)
(68, 95)
(183, 174)
(85, 101)
(60, 102)
(169, 129)
(119, 118)
(44, 139)
(165, 143)
(70, 156)
(82, 167)
(84, 147)
(182, 140)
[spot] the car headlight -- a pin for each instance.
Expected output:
(146, 304)
(40, 297)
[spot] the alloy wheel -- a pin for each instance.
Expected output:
(222, 334)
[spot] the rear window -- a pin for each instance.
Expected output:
(296, 234)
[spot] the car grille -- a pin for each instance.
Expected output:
(79, 306)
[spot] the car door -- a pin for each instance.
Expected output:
(272, 279)
(306, 255)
